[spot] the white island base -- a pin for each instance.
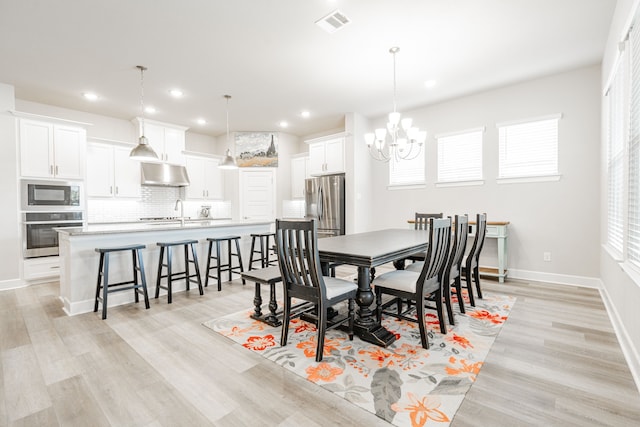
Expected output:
(79, 260)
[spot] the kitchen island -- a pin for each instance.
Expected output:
(79, 260)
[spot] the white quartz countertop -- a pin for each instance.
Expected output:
(154, 226)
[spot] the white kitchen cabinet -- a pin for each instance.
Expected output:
(205, 177)
(326, 157)
(51, 151)
(299, 172)
(167, 140)
(111, 172)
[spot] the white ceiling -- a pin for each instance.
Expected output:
(274, 62)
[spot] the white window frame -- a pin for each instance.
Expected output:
(460, 158)
(508, 164)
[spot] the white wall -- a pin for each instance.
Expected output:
(621, 292)
(559, 217)
(10, 255)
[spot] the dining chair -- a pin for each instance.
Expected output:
(299, 261)
(452, 272)
(416, 287)
(471, 268)
(420, 223)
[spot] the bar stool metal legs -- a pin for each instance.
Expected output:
(187, 275)
(219, 267)
(264, 250)
(138, 283)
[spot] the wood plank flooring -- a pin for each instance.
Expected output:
(556, 362)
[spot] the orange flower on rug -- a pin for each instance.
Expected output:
(403, 384)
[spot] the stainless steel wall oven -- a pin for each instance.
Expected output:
(47, 205)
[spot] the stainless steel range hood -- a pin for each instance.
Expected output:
(163, 174)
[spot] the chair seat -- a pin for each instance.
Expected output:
(336, 287)
(401, 280)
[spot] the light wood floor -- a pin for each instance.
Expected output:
(556, 362)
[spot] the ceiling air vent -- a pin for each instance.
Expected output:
(333, 21)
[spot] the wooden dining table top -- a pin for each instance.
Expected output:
(372, 248)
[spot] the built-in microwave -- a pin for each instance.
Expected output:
(50, 195)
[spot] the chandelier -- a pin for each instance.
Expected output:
(143, 150)
(400, 140)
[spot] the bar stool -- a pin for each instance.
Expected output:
(186, 274)
(138, 286)
(219, 267)
(263, 250)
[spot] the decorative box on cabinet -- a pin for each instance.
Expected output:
(167, 140)
(50, 150)
(206, 178)
(110, 171)
(326, 156)
(299, 172)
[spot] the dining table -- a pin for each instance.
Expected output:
(367, 251)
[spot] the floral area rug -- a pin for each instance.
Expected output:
(403, 383)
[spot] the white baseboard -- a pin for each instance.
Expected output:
(12, 284)
(563, 279)
(631, 354)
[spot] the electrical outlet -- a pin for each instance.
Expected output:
(546, 256)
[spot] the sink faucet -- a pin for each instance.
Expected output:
(179, 202)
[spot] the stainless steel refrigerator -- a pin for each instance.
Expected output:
(325, 201)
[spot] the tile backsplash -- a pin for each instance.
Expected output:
(155, 202)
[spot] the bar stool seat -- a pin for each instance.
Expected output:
(138, 282)
(180, 275)
(264, 250)
(219, 267)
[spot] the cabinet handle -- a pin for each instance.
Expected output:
(111, 189)
(56, 169)
(116, 190)
(207, 193)
(50, 169)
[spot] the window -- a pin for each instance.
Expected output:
(615, 160)
(460, 156)
(633, 233)
(528, 148)
(407, 172)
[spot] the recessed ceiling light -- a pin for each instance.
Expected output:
(201, 121)
(149, 109)
(305, 114)
(176, 93)
(429, 84)
(283, 124)
(90, 96)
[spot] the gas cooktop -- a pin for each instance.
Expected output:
(163, 218)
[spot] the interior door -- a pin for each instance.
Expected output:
(257, 194)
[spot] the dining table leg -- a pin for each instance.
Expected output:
(365, 324)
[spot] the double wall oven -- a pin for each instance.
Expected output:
(47, 205)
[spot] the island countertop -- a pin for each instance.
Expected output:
(154, 226)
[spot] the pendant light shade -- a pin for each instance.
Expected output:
(143, 151)
(229, 161)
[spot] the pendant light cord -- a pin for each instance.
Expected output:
(142, 68)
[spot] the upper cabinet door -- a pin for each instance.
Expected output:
(326, 157)
(167, 140)
(127, 177)
(316, 158)
(299, 166)
(213, 180)
(69, 145)
(99, 171)
(36, 149)
(195, 168)
(174, 146)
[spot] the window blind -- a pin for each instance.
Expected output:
(528, 148)
(460, 156)
(407, 172)
(633, 233)
(615, 160)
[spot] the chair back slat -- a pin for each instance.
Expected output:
(298, 255)
(459, 245)
(478, 242)
(438, 250)
(422, 220)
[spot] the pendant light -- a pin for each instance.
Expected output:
(142, 151)
(229, 162)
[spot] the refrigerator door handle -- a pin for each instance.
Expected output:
(320, 205)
